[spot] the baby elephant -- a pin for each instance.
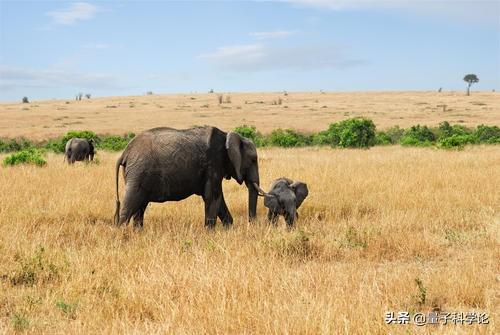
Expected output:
(79, 149)
(284, 198)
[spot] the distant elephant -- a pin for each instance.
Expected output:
(284, 198)
(165, 164)
(79, 149)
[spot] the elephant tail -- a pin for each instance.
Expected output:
(117, 172)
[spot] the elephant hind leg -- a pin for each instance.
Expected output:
(132, 204)
(139, 216)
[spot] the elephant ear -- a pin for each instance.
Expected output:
(271, 202)
(301, 192)
(233, 146)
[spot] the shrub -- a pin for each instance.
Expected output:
(251, 133)
(35, 269)
(381, 138)
(418, 136)
(395, 133)
(287, 138)
(487, 134)
(69, 309)
(456, 141)
(15, 145)
(114, 142)
(25, 100)
(446, 130)
(296, 246)
(20, 322)
(322, 138)
(350, 133)
(27, 156)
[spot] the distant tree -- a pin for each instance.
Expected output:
(470, 79)
(88, 95)
(440, 90)
(25, 100)
(149, 93)
(211, 90)
(79, 96)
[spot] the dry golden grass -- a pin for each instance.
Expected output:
(375, 221)
(303, 111)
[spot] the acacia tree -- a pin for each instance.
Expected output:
(470, 79)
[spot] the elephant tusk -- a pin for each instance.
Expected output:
(261, 192)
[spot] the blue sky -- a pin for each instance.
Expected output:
(55, 49)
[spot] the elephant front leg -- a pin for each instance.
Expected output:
(272, 217)
(211, 210)
(212, 197)
(223, 213)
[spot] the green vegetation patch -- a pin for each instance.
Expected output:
(26, 156)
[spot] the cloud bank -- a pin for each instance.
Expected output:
(14, 77)
(484, 11)
(260, 57)
(78, 11)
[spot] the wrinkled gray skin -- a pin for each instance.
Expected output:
(79, 149)
(284, 198)
(165, 164)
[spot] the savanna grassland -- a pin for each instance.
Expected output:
(384, 229)
(305, 112)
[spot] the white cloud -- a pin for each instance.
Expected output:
(272, 34)
(486, 11)
(15, 77)
(78, 11)
(260, 57)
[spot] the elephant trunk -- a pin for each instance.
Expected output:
(252, 202)
(290, 214)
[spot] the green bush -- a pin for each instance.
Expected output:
(350, 133)
(114, 142)
(446, 130)
(395, 133)
(89, 135)
(418, 136)
(27, 156)
(322, 138)
(487, 134)
(456, 141)
(15, 145)
(287, 138)
(382, 138)
(357, 133)
(251, 133)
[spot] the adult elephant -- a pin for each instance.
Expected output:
(79, 149)
(165, 164)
